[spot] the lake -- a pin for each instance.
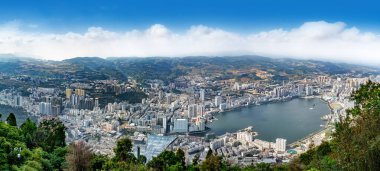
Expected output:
(291, 120)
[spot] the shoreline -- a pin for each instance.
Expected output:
(326, 123)
(324, 128)
(270, 102)
(253, 105)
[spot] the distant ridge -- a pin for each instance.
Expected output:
(169, 68)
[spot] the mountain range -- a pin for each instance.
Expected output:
(165, 68)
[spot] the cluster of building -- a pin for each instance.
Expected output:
(241, 148)
(173, 114)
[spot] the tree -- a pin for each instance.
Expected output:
(15, 155)
(42, 157)
(357, 137)
(212, 163)
(176, 167)
(180, 154)
(196, 159)
(263, 167)
(58, 158)
(50, 134)
(142, 159)
(209, 153)
(32, 165)
(28, 129)
(98, 162)
(164, 160)
(11, 119)
(356, 141)
(78, 156)
(13, 151)
(123, 150)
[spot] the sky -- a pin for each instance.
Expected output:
(332, 30)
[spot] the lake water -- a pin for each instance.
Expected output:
(291, 120)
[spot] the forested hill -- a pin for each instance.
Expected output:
(92, 68)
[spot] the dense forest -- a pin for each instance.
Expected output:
(355, 146)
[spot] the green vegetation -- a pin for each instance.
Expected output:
(19, 149)
(168, 160)
(50, 135)
(356, 141)
(123, 150)
(132, 96)
(28, 130)
(11, 120)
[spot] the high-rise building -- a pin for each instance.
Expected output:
(309, 90)
(201, 110)
(56, 110)
(123, 108)
(68, 93)
(223, 106)
(110, 108)
(218, 100)
(236, 86)
(301, 89)
(160, 95)
(228, 102)
(278, 92)
(191, 110)
(45, 108)
(96, 103)
(180, 125)
(168, 98)
(80, 92)
(280, 145)
(87, 103)
(162, 122)
(201, 123)
(202, 95)
(18, 101)
(322, 79)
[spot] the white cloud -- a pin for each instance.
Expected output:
(312, 40)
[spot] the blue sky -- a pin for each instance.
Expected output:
(331, 30)
(234, 15)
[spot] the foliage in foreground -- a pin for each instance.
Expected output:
(356, 141)
(20, 149)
